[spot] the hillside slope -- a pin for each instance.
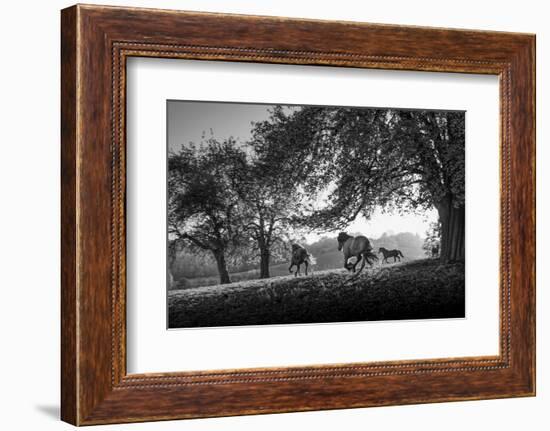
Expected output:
(416, 290)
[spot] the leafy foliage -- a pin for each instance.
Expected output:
(204, 211)
(202, 206)
(355, 160)
(270, 198)
(433, 238)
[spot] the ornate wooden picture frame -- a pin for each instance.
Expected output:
(96, 41)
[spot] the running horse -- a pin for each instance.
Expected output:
(396, 254)
(300, 255)
(358, 247)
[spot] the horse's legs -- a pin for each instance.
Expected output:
(346, 263)
(356, 262)
(362, 264)
(290, 267)
(306, 264)
(297, 270)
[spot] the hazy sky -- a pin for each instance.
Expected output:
(189, 121)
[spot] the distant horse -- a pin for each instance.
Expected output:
(396, 254)
(300, 255)
(358, 247)
(435, 250)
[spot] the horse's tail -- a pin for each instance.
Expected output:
(399, 252)
(311, 259)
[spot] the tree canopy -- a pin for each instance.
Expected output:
(354, 160)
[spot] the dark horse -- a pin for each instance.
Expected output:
(299, 256)
(358, 247)
(396, 254)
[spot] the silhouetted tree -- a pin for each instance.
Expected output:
(269, 195)
(437, 156)
(203, 209)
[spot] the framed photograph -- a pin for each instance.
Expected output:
(264, 215)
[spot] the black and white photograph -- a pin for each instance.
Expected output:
(295, 214)
(235, 215)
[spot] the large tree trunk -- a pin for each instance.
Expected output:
(452, 221)
(264, 264)
(264, 252)
(222, 267)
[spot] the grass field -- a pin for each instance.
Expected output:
(237, 277)
(415, 290)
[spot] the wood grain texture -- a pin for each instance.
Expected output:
(69, 397)
(96, 41)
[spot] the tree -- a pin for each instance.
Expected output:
(438, 155)
(360, 159)
(204, 212)
(269, 196)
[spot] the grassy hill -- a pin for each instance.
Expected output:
(416, 290)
